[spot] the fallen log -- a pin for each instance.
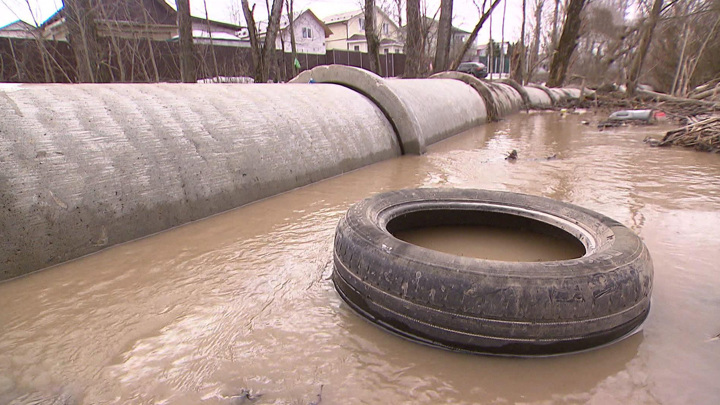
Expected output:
(666, 97)
(705, 94)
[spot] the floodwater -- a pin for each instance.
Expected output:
(493, 243)
(239, 308)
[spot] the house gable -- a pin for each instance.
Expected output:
(310, 34)
(17, 29)
(348, 32)
(153, 19)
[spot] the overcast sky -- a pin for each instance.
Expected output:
(465, 13)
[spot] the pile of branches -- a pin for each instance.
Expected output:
(700, 132)
(709, 91)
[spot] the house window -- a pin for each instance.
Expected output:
(362, 24)
(306, 32)
(357, 47)
(386, 28)
(387, 51)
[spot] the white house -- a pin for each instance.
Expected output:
(310, 33)
(348, 32)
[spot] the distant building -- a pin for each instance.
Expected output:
(348, 32)
(18, 29)
(135, 19)
(458, 37)
(310, 33)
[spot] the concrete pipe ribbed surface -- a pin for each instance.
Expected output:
(422, 111)
(538, 97)
(83, 167)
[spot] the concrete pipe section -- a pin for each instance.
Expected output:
(422, 111)
(83, 167)
(539, 98)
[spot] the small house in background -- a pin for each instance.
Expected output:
(310, 33)
(137, 19)
(348, 32)
(18, 29)
(458, 36)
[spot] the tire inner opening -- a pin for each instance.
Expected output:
(486, 235)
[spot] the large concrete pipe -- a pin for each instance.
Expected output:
(422, 111)
(83, 167)
(538, 97)
(480, 86)
(508, 100)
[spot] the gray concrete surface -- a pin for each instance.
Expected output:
(479, 86)
(83, 167)
(538, 97)
(422, 111)
(552, 94)
(507, 99)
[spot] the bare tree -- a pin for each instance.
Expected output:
(413, 39)
(262, 54)
(188, 73)
(473, 35)
(643, 46)
(444, 34)
(255, 50)
(554, 29)
(212, 45)
(535, 51)
(566, 45)
(518, 67)
(293, 44)
(83, 38)
(373, 42)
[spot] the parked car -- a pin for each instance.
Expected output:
(474, 68)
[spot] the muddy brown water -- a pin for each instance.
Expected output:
(241, 305)
(492, 243)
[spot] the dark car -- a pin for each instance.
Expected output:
(474, 68)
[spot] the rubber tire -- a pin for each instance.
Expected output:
(483, 306)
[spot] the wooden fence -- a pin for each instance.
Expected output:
(137, 61)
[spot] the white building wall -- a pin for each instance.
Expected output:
(313, 44)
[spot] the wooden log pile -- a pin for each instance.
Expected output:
(709, 91)
(700, 132)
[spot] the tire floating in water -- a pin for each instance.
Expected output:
(487, 306)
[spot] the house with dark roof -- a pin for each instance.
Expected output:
(348, 32)
(18, 29)
(139, 19)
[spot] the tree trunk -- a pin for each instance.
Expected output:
(373, 42)
(473, 35)
(293, 44)
(553, 33)
(413, 39)
(518, 73)
(268, 49)
(535, 53)
(255, 51)
(187, 50)
(567, 44)
(502, 40)
(444, 30)
(216, 71)
(643, 46)
(83, 37)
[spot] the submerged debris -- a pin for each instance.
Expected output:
(622, 117)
